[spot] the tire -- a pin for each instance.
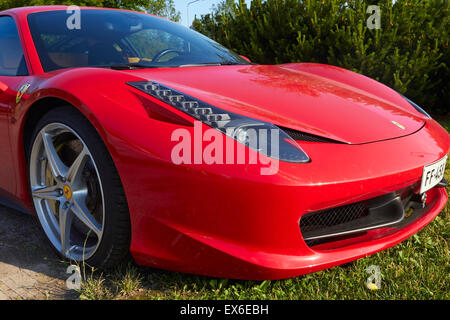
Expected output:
(77, 179)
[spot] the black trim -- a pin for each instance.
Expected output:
(303, 136)
(442, 184)
(374, 213)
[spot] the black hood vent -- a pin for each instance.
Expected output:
(302, 136)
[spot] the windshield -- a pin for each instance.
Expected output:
(120, 38)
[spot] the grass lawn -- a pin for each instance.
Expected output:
(417, 268)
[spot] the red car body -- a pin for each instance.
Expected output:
(229, 220)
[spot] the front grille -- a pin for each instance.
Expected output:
(302, 136)
(352, 219)
(333, 217)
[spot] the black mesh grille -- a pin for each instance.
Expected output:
(355, 219)
(302, 136)
(332, 217)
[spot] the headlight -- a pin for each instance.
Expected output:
(263, 137)
(417, 107)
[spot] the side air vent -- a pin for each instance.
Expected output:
(302, 136)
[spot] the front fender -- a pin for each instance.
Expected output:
(99, 94)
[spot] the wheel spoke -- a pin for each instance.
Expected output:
(65, 224)
(48, 193)
(56, 165)
(82, 212)
(75, 170)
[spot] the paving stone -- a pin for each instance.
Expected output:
(29, 268)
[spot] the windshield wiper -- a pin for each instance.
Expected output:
(127, 66)
(232, 64)
(199, 65)
(131, 66)
(209, 64)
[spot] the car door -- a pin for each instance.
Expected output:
(13, 76)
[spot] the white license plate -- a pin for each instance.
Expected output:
(433, 174)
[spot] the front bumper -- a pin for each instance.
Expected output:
(229, 221)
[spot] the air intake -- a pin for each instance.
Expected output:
(351, 219)
(302, 136)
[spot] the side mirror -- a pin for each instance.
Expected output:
(245, 58)
(3, 86)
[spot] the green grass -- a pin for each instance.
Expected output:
(417, 268)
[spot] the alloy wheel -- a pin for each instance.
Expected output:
(67, 191)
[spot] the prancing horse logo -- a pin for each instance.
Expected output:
(67, 192)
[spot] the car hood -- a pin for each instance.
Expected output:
(322, 100)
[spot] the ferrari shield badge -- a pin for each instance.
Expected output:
(22, 91)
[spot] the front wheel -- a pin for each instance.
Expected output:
(76, 190)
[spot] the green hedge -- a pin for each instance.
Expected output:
(410, 53)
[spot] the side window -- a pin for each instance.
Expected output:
(12, 59)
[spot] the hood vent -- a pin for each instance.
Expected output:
(302, 136)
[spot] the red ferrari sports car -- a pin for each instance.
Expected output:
(128, 133)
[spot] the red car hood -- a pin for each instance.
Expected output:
(323, 100)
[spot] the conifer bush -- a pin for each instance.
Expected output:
(410, 53)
